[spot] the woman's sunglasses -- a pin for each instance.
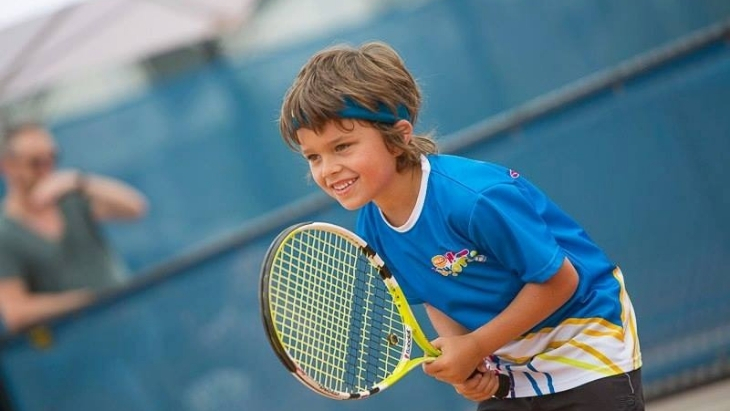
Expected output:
(41, 162)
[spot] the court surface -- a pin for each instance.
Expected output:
(713, 397)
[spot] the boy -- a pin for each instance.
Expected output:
(509, 281)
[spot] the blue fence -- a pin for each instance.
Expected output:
(204, 145)
(642, 165)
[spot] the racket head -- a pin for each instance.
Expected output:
(328, 313)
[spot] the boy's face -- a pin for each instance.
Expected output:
(350, 163)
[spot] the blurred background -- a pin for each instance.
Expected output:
(618, 109)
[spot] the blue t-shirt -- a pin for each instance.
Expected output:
(478, 233)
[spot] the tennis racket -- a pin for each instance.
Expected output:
(336, 317)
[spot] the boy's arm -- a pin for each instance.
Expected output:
(461, 354)
(480, 386)
(443, 324)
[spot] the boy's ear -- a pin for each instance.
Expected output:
(405, 129)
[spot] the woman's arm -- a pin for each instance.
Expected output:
(20, 307)
(113, 199)
(110, 199)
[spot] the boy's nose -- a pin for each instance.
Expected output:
(330, 166)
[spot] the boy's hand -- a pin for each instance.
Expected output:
(460, 356)
(481, 386)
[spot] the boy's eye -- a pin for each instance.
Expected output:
(341, 147)
(312, 157)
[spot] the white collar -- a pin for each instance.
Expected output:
(416, 213)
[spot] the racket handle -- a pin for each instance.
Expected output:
(505, 384)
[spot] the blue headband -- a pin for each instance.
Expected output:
(383, 115)
(353, 110)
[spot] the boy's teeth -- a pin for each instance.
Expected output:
(342, 186)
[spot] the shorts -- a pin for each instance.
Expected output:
(621, 392)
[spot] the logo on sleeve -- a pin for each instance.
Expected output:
(452, 263)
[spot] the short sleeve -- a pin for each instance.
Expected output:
(506, 221)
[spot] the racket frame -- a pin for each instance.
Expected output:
(412, 331)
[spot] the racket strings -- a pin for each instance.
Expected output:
(333, 312)
(309, 320)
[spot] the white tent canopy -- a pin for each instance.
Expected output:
(43, 41)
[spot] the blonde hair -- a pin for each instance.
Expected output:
(373, 77)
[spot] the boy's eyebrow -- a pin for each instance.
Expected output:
(333, 142)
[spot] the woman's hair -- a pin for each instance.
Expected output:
(8, 134)
(371, 78)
